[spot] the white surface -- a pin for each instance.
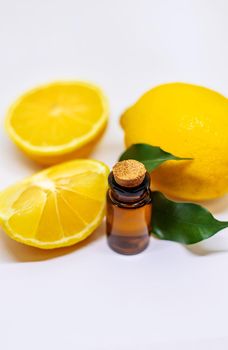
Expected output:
(87, 297)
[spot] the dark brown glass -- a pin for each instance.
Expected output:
(128, 219)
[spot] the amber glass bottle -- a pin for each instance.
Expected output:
(129, 208)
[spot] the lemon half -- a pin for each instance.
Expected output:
(57, 207)
(58, 121)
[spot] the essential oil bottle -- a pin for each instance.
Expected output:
(129, 208)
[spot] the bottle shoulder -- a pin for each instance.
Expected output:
(140, 202)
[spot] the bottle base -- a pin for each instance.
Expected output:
(129, 245)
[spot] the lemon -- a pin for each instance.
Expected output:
(59, 121)
(56, 207)
(187, 121)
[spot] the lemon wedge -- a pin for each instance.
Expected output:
(56, 207)
(59, 121)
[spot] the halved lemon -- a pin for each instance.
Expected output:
(58, 121)
(56, 207)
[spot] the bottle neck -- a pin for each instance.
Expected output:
(130, 195)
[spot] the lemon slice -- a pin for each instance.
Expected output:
(58, 121)
(56, 207)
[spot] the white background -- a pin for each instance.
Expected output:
(87, 297)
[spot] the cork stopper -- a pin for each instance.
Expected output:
(129, 173)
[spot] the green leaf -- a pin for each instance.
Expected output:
(150, 156)
(182, 222)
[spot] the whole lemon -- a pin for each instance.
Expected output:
(187, 121)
